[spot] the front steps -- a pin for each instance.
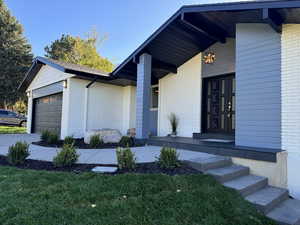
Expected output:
(272, 201)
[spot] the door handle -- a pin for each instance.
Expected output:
(229, 108)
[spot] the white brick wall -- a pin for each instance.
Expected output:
(290, 94)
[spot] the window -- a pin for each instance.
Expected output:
(154, 97)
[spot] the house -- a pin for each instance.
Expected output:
(228, 70)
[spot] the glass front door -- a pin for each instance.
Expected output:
(219, 104)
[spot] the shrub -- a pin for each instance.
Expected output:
(126, 159)
(126, 141)
(69, 140)
(168, 158)
(49, 137)
(66, 157)
(45, 135)
(18, 153)
(96, 141)
(174, 121)
(53, 138)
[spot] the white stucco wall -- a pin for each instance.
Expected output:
(46, 76)
(181, 94)
(108, 106)
(129, 111)
(290, 94)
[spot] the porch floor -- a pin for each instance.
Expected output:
(217, 148)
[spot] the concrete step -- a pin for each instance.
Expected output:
(268, 198)
(204, 164)
(228, 173)
(287, 213)
(247, 185)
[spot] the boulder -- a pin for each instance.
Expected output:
(107, 135)
(131, 132)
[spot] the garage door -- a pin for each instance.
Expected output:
(47, 113)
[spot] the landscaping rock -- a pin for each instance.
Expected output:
(104, 169)
(107, 135)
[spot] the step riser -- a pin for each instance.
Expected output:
(268, 208)
(231, 176)
(253, 188)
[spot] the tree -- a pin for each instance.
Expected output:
(79, 51)
(15, 57)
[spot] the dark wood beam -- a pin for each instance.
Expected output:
(163, 66)
(206, 32)
(273, 19)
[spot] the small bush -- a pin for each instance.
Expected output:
(96, 141)
(126, 159)
(126, 142)
(66, 157)
(69, 140)
(49, 137)
(52, 139)
(168, 158)
(45, 136)
(18, 153)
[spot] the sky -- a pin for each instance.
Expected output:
(127, 23)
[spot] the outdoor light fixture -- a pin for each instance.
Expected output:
(65, 84)
(209, 58)
(28, 94)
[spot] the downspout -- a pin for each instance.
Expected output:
(86, 104)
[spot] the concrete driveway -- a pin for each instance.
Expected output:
(91, 156)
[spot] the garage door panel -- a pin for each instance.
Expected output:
(47, 113)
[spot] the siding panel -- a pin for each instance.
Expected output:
(258, 80)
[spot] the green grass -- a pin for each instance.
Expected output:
(38, 197)
(12, 130)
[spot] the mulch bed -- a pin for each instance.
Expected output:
(79, 143)
(144, 168)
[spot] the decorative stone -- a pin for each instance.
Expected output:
(107, 135)
(131, 132)
(104, 169)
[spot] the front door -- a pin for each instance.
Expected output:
(219, 104)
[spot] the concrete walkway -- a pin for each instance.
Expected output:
(91, 156)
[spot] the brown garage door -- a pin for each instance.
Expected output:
(47, 113)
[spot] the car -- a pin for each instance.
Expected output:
(12, 119)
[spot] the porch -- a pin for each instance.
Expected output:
(207, 145)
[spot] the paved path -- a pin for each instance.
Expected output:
(94, 156)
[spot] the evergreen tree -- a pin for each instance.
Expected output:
(15, 57)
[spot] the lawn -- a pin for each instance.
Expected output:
(12, 130)
(30, 197)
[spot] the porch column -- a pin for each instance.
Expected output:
(143, 96)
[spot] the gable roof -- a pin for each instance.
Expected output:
(193, 28)
(79, 71)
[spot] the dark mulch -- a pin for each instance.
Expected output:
(44, 165)
(79, 143)
(145, 168)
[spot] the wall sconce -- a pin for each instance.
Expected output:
(28, 94)
(65, 84)
(209, 58)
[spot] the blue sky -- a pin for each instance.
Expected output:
(126, 22)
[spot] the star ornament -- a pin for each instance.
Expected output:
(209, 58)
